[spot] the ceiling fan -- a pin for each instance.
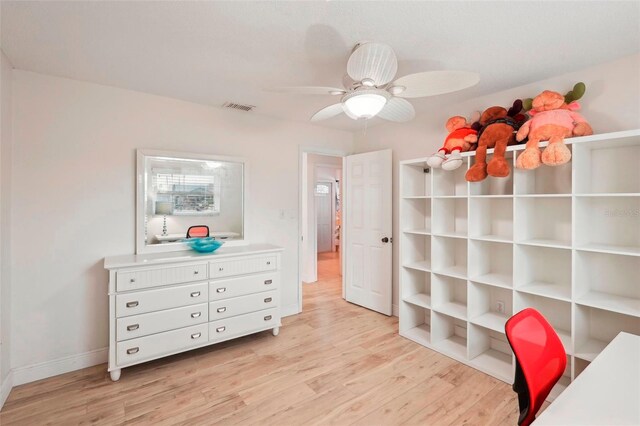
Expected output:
(369, 90)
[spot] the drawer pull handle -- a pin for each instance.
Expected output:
(195, 294)
(221, 269)
(221, 289)
(268, 299)
(196, 314)
(133, 327)
(223, 309)
(267, 282)
(132, 304)
(268, 263)
(221, 329)
(268, 317)
(133, 351)
(196, 335)
(132, 280)
(195, 272)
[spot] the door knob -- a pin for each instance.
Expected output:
(385, 240)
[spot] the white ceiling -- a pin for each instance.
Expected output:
(212, 52)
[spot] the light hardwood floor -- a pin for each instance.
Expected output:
(335, 363)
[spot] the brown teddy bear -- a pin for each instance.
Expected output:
(498, 131)
(552, 119)
(461, 138)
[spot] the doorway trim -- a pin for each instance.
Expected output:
(301, 168)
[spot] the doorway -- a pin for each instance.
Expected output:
(321, 207)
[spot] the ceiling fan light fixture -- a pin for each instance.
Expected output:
(365, 104)
(396, 90)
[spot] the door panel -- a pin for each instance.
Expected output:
(368, 209)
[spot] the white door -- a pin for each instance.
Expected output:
(368, 209)
(324, 215)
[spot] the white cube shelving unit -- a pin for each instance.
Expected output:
(564, 240)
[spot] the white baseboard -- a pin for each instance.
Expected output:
(395, 310)
(5, 390)
(31, 373)
(290, 310)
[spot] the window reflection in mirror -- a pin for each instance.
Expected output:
(180, 193)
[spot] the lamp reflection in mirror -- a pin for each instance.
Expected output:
(164, 208)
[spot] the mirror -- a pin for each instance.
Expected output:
(177, 191)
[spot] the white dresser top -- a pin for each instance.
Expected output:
(115, 262)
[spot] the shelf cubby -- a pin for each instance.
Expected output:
(580, 365)
(596, 328)
(491, 219)
(602, 281)
(490, 306)
(417, 251)
(544, 221)
(417, 288)
(563, 382)
(450, 256)
(415, 323)
(450, 183)
(416, 215)
(605, 168)
(450, 296)
(543, 271)
(449, 335)
(450, 217)
(557, 312)
(416, 180)
(491, 263)
(490, 351)
(544, 180)
(608, 224)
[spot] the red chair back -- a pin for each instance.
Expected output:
(198, 231)
(540, 360)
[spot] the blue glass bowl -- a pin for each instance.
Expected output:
(203, 245)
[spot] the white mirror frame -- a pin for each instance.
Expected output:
(141, 154)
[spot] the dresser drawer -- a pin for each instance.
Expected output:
(242, 305)
(160, 344)
(243, 324)
(157, 322)
(155, 277)
(227, 268)
(141, 302)
(233, 287)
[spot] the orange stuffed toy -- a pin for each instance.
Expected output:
(498, 131)
(553, 120)
(461, 138)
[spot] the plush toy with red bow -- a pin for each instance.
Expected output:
(462, 137)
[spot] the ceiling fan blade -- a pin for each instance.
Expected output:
(309, 90)
(327, 112)
(397, 109)
(431, 83)
(375, 61)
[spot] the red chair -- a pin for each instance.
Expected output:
(540, 360)
(198, 231)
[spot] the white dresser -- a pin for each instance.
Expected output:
(162, 304)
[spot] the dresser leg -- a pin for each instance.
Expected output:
(115, 374)
(276, 331)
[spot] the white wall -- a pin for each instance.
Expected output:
(74, 196)
(6, 74)
(611, 103)
(313, 173)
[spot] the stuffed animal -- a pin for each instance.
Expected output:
(551, 119)
(498, 131)
(462, 137)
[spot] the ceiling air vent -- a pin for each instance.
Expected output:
(240, 107)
